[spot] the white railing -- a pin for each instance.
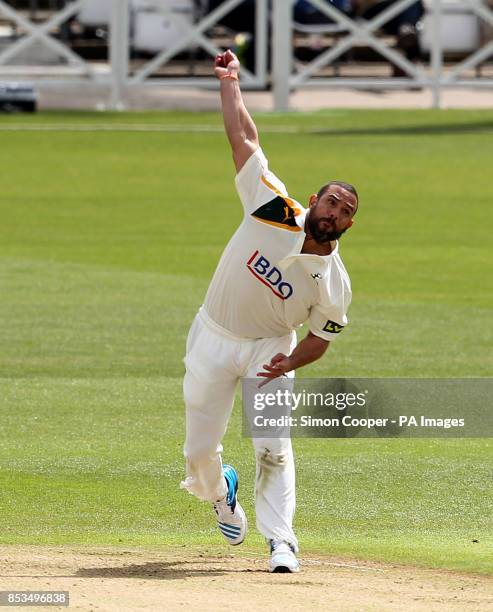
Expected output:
(434, 77)
(41, 34)
(194, 35)
(120, 74)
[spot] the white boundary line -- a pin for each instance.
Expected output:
(122, 127)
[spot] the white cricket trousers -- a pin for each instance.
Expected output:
(215, 361)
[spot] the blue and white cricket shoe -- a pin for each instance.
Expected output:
(231, 518)
(282, 560)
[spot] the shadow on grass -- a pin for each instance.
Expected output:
(409, 130)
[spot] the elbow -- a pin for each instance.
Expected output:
(238, 140)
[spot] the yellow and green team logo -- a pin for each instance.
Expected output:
(333, 328)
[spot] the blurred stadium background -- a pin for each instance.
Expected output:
(113, 53)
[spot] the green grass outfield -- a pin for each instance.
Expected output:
(110, 228)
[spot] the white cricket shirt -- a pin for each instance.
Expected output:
(263, 286)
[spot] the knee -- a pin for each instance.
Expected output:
(269, 459)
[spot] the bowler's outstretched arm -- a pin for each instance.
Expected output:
(240, 128)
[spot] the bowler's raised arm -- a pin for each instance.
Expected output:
(240, 128)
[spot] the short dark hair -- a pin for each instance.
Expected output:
(346, 186)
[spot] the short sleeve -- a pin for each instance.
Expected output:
(328, 322)
(256, 184)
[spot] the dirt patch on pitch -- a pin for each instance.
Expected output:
(134, 579)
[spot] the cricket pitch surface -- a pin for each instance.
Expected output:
(102, 578)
